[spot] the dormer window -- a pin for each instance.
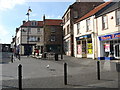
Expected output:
(33, 23)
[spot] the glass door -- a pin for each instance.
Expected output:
(117, 51)
(84, 51)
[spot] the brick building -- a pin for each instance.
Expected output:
(52, 35)
(75, 11)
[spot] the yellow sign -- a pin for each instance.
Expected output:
(89, 46)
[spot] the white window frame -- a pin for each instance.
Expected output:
(118, 17)
(88, 24)
(78, 28)
(104, 22)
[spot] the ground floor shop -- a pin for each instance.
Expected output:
(26, 49)
(109, 46)
(84, 46)
(69, 46)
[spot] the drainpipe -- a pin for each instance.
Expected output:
(93, 37)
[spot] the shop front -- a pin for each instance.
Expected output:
(84, 45)
(109, 47)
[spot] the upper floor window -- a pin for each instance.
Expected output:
(68, 15)
(104, 22)
(64, 32)
(68, 29)
(29, 30)
(78, 28)
(75, 13)
(118, 17)
(52, 38)
(52, 29)
(88, 24)
(38, 30)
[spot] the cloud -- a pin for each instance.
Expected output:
(9, 4)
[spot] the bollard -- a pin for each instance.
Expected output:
(98, 70)
(20, 77)
(65, 73)
(12, 58)
(19, 56)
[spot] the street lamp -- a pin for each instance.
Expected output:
(28, 14)
(61, 24)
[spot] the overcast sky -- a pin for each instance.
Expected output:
(13, 12)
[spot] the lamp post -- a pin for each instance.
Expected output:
(61, 24)
(28, 14)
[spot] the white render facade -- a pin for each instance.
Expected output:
(103, 34)
(85, 39)
(109, 37)
(35, 35)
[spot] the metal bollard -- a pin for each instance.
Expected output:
(65, 73)
(19, 56)
(12, 58)
(98, 70)
(20, 77)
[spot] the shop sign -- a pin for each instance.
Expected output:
(79, 49)
(108, 37)
(89, 45)
(82, 37)
(107, 47)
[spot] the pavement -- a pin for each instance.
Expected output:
(82, 73)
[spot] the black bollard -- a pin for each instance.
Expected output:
(98, 70)
(19, 56)
(20, 77)
(12, 58)
(65, 73)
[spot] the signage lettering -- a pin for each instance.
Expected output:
(108, 37)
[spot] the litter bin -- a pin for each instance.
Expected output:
(56, 57)
(44, 55)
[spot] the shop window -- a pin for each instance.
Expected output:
(104, 22)
(79, 47)
(118, 17)
(89, 47)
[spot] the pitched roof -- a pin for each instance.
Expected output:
(53, 21)
(95, 10)
(28, 23)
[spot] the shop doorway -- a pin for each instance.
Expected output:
(84, 51)
(117, 51)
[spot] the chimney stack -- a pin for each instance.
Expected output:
(24, 22)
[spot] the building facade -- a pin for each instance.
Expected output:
(108, 23)
(75, 11)
(85, 34)
(27, 35)
(52, 35)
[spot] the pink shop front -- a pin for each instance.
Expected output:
(109, 47)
